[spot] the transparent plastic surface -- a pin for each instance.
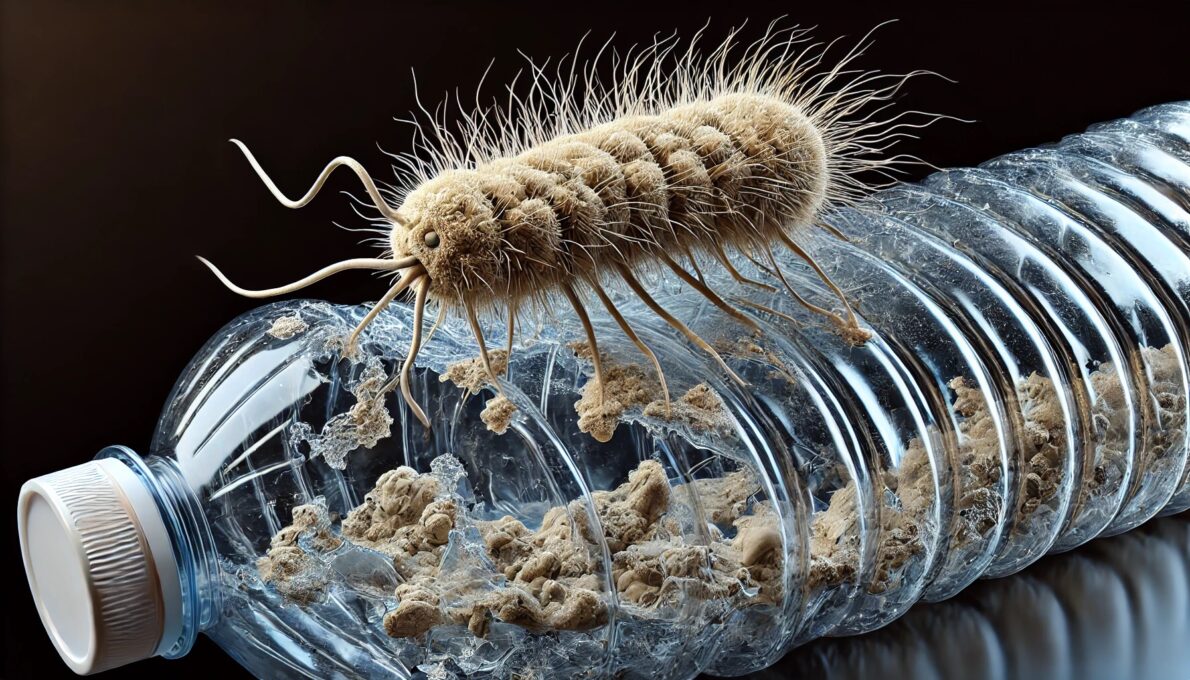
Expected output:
(1023, 390)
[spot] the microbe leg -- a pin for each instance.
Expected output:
(391, 295)
(708, 293)
(735, 273)
(640, 344)
(776, 271)
(675, 323)
(833, 317)
(592, 343)
(437, 322)
(483, 348)
(770, 310)
(792, 245)
(423, 289)
(834, 231)
(512, 311)
(694, 266)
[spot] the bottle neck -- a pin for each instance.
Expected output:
(193, 545)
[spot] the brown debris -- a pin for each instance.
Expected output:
(700, 409)
(625, 386)
(293, 571)
(364, 424)
(553, 579)
(286, 327)
(497, 414)
(470, 374)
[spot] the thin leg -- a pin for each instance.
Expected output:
(640, 344)
(708, 293)
(770, 310)
(675, 323)
(437, 322)
(512, 309)
(735, 273)
(760, 265)
(796, 296)
(834, 231)
(695, 268)
(592, 343)
(403, 283)
(797, 250)
(414, 347)
(483, 348)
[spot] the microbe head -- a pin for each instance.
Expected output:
(451, 228)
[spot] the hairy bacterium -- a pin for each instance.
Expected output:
(580, 183)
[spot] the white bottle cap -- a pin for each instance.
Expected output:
(101, 565)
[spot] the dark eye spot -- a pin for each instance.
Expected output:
(432, 240)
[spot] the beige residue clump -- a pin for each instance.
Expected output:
(295, 573)
(980, 502)
(653, 566)
(497, 413)
(1044, 442)
(549, 578)
(625, 386)
(287, 327)
(552, 576)
(723, 499)
(629, 386)
(834, 541)
(747, 347)
(1170, 400)
(700, 409)
(400, 516)
(903, 525)
(471, 375)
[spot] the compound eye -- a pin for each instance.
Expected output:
(432, 240)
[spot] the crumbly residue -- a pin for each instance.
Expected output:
(498, 413)
(625, 387)
(286, 327)
(547, 578)
(471, 374)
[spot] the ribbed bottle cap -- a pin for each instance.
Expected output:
(100, 565)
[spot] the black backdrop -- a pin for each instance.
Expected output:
(116, 169)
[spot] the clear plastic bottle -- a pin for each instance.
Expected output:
(1024, 390)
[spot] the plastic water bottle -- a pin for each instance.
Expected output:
(1024, 390)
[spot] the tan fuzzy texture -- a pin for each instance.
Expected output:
(686, 152)
(471, 375)
(685, 149)
(980, 505)
(732, 169)
(631, 386)
(552, 575)
(286, 327)
(288, 567)
(498, 413)
(1169, 397)
(625, 386)
(700, 409)
(1044, 442)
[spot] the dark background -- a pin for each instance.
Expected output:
(116, 169)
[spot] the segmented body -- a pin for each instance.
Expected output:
(707, 175)
(681, 156)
